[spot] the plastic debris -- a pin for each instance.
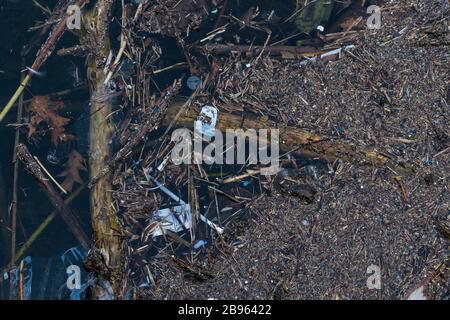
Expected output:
(21, 279)
(417, 294)
(200, 244)
(45, 277)
(174, 219)
(73, 255)
(336, 53)
(52, 156)
(206, 121)
(177, 199)
(164, 163)
(193, 82)
(76, 256)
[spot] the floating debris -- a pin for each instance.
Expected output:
(193, 82)
(174, 219)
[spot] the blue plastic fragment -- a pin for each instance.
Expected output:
(200, 244)
(193, 82)
(75, 256)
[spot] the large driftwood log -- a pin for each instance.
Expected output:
(33, 168)
(293, 138)
(107, 259)
(274, 50)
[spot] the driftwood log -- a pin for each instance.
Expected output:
(293, 138)
(304, 51)
(107, 259)
(33, 168)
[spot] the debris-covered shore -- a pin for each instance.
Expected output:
(390, 93)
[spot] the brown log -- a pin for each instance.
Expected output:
(33, 168)
(107, 259)
(293, 138)
(304, 51)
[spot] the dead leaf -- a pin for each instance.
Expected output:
(74, 165)
(43, 109)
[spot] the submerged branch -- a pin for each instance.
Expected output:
(34, 169)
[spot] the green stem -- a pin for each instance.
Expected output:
(15, 97)
(43, 225)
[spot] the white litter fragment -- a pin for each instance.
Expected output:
(336, 52)
(206, 121)
(172, 195)
(218, 229)
(35, 72)
(417, 294)
(173, 219)
(163, 163)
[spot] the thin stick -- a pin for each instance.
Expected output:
(179, 64)
(182, 109)
(123, 45)
(250, 173)
(264, 47)
(305, 51)
(49, 175)
(56, 94)
(37, 4)
(15, 178)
